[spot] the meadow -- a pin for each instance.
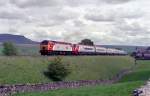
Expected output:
(140, 73)
(124, 87)
(29, 69)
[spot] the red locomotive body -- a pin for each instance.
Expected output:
(46, 47)
(55, 48)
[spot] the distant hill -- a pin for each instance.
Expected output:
(18, 39)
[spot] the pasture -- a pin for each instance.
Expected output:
(123, 88)
(27, 69)
(140, 73)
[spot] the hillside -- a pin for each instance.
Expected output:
(18, 39)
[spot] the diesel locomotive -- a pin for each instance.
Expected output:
(48, 47)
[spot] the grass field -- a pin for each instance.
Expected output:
(97, 67)
(140, 73)
(123, 88)
(22, 70)
(26, 69)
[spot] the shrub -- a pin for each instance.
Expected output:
(9, 49)
(57, 70)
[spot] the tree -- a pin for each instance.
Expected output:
(58, 70)
(86, 42)
(9, 49)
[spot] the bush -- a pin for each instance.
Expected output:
(87, 42)
(57, 70)
(9, 49)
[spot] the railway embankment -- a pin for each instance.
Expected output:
(9, 90)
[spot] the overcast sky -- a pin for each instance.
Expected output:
(124, 22)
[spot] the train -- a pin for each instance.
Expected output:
(48, 47)
(142, 53)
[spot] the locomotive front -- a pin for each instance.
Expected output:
(46, 47)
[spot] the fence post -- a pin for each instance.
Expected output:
(135, 61)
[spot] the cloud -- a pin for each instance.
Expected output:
(35, 3)
(3, 2)
(49, 23)
(48, 35)
(131, 28)
(11, 15)
(99, 17)
(110, 15)
(9, 12)
(103, 21)
(117, 1)
(129, 33)
(57, 18)
(13, 30)
(79, 23)
(51, 3)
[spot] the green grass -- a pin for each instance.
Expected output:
(120, 89)
(26, 69)
(123, 88)
(97, 67)
(140, 73)
(22, 70)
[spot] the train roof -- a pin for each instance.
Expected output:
(62, 42)
(57, 42)
(85, 45)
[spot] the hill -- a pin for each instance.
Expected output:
(18, 39)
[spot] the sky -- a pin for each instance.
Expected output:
(109, 22)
